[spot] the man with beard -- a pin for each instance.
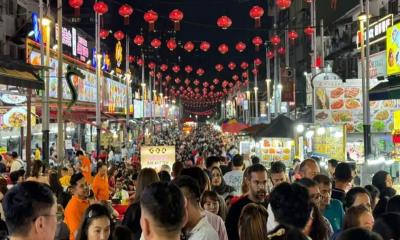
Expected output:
(257, 182)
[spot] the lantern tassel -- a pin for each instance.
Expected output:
(151, 27)
(126, 21)
(258, 23)
(177, 26)
(77, 12)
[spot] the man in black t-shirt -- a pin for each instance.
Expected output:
(343, 179)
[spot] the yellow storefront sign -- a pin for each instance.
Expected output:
(393, 50)
(156, 156)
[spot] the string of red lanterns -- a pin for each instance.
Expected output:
(125, 11)
(151, 17)
(176, 17)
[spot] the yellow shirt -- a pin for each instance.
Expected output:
(37, 154)
(65, 181)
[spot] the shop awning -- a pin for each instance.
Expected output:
(252, 130)
(280, 127)
(385, 91)
(17, 73)
(234, 127)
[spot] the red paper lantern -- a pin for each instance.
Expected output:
(155, 43)
(152, 74)
(224, 22)
(171, 44)
(140, 62)
(235, 77)
(232, 66)
(119, 35)
(189, 46)
(219, 67)
(205, 84)
(245, 75)
(151, 65)
(283, 4)
(216, 81)
(177, 80)
(187, 81)
(240, 46)
(125, 11)
(196, 82)
(176, 68)
(138, 40)
(257, 62)
(168, 78)
(270, 54)
(131, 59)
(76, 5)
(176, 16)
(281, 50)
(164, 67)
(204, 46)
(188, 69)
(309, 31)
(293, 35)
(244, 65)
(223, 48)
(257, 42)
(275, 40)
(212, 87)
(256, 12)
(200, 72)
(150, 17)
(100, 8)
(104, 33)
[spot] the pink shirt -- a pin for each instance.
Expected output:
(218, 224)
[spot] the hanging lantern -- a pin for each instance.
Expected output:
(188, 69)
(270, 54)
(205, 84)
(212, 87)
(176, 16)
(244, 65)
(240, 46)
(155, 43)
(187, 81)
(100, 8)
(152, 74)
(235, 77)
(76, 5)
(151, 17)
(224, 22)
(281, 50)
(257, 42)
(256, 13)
(245, 75)
(196, 82)
(138, 40)
(168, 78)
(216, 81)
(189, 46)
(151, 65)
(159, 75)
(257, 62)
(176, 68)
(223, 48)
(309, 31)
(104, 33)
(131, 59)
(204, 46)
(171, 44)
(177, 80)
(275, 40)
(219, 67)
(164, 67)
(140, 62)
(283, 4)
(200, 72)
(293, 35)
(125, 11)
(232, 66)
(119, 35)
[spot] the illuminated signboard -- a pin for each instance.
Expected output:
(393, 50)
(74, 42)
(377, 30)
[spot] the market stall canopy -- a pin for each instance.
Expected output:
(17, 73)
(280, 127)
(252, 130)
(385, 91)
(235, 127)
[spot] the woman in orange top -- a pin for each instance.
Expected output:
(78, 204)
(100, 183)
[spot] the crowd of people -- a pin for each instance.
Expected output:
(210, 193)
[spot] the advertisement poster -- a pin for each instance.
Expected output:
(337, 102)
(15, 117)
(276, 149)
(377, 66)
(137, 109)
(331, 143)
(393, 50)
(156, 156)
(115, 98)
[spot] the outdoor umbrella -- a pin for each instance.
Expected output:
(280, 127)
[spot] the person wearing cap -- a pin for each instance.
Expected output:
(76, 207)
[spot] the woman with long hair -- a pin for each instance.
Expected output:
(36, 173)
(384, 182)
(317, 227)
(218, 184)
(132, 216)
(253, 222)
(96, 224)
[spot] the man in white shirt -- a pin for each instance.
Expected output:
(16, 163)
(197, 226)
(234, 178)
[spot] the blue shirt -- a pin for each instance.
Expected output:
(335, 214)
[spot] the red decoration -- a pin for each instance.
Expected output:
(155, 43)
(187, 81)
(283, 4)
(257, 42)
(76, 5)
(270, 54)
(176, 16)
(177, 80)
(100, 8)
(151, 65)
(212, 87)
(196, 82)
(293, 35)
(200, 72)
(204, 46)
(224, 22)
(171, 44)
(151, 17)
(119, 35)
(240, 46)
(309, 31)
(257, 62)
(219, 67)
(168, 78)
(125, 11)
(245, 75)
(223, 48)
(281, 51)
(164, 67)
(138, 40)
(104, 33)
(232, 66)
(216, 81)
(244, 65)
(189, 46)
(140, 62)
(205, 84)
(188, 69)
(275, 40)
(176, 68)
(131, 59)
(318, 62)
(235, 77)
(256, 13)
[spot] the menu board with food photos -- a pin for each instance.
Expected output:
(15, 117)
(338, 102)
(331, 143)
(276, 149)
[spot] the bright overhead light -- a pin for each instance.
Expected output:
(55, 47)
(321, 131)
(46, 21)
(31, 33)
(309, 134)
(300, 128)
(280, 86)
